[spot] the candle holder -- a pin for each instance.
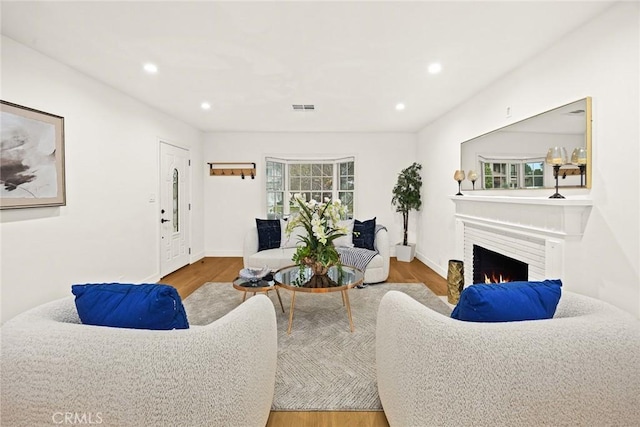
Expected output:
(579, 157)
(459, 176)
(556, 157)
(556, 195)
(472, 176)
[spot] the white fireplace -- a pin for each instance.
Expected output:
(536, 231)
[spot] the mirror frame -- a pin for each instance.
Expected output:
(588, 135)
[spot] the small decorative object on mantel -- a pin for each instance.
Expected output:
(473, 177)
(455, 280)
(556, 157)
(321, 221)
(241, 169)
(459, 176)
(579, 157)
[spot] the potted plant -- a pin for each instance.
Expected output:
(406, 196)
(321, 221)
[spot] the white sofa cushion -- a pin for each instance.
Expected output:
(272, 258)
(292, 240)
(346, 240)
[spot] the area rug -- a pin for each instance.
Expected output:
(322, 366)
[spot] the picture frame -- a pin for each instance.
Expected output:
(32, 172)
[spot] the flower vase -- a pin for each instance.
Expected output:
(317, 268)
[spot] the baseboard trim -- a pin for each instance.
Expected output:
(196, 257)
(154, 278)
(223, 253)
(432, 265)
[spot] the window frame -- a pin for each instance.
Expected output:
(518, 178)
(287, 192)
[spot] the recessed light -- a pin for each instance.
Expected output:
(150, 68)
(400, 106)
(205, 106)
(434, 68)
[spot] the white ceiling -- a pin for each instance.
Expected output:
(252, 60)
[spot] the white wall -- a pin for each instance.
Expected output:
(232, 204)
(600, 60)
(108, 231)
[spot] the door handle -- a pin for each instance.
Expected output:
(164, 220)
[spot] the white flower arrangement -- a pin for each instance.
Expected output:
(322, 222)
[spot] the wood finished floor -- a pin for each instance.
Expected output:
(225, 269)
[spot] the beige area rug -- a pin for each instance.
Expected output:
(322, 366)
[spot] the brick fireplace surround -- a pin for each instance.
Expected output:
(533, 230)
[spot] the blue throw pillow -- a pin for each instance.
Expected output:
(364, 234)
(269, 233)
(120, 305)
(508, 302)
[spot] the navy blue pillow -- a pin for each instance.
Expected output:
(269, 233)
(123, 305)
(364, 234)
(508, 302)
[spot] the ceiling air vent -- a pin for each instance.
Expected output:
(303, 107)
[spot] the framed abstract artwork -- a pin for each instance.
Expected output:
(31, 158)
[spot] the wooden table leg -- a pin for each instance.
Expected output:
(279, 299)
(345, 296)
(244, 296)
(293, 301)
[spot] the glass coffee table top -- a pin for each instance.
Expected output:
(302, 278)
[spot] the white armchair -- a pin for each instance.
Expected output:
(219, 374)
(581, 368)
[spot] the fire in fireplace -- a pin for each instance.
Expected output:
(492, 267)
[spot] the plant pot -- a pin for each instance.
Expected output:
(317, 268)
(406, 253)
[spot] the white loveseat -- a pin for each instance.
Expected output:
(56, 370)
(377, 270)
(581, 368)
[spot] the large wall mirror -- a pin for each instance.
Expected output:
(513, 157)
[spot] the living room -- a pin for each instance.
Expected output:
(108, 230)
(107, 131)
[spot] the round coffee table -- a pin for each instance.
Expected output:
(300, 279)
(265, 286)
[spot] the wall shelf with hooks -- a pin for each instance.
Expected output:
(241, 169)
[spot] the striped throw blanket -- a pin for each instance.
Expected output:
(358, 257)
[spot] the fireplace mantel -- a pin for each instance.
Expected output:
(560, 218)
(533, 230)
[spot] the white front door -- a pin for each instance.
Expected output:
(174, 208)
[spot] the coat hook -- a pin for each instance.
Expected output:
(252, 175)
(242, 174)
